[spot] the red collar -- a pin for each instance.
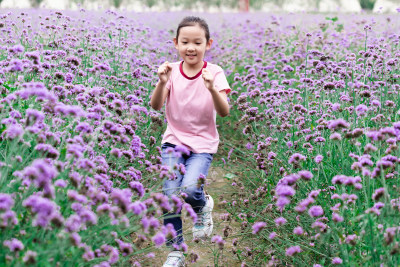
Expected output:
(194, 77)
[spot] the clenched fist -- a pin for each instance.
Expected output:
(164, 71)
(208, 79)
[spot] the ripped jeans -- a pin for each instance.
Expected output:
(195, 164)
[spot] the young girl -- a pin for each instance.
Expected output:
(195, 91)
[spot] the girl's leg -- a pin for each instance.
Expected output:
(196, 164)
(172, 187)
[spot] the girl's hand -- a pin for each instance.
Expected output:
(164, 72)
(208, 79)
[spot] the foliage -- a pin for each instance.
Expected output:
(367, 4)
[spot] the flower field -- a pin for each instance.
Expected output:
(310, 145)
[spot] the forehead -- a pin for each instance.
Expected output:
(192, 32)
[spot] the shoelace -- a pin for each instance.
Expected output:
(172, 259)
(201, 219)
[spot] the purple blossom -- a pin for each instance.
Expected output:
(284, 190)
(137, 187)
(218, 240)
(337, 218)
(159, 239)
(190, 211)
(280, 221)
(305, 175)
(337, 124)
(298, 230)
(14, 244)
(296, 158)
(258, 226)
(6, 202)
(30, 257)
(316, 211)
(272, 235)
(319, 158)
(14, 131)
(125, 248)
(293, 250)
(337, 261)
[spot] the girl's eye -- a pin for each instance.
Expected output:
(184, 42)
(198, 43)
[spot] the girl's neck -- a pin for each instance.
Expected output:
(191, 70)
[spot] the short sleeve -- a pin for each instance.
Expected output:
(169, 83)
(220, 82)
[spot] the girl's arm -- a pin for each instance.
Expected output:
(160, 93)
(220, 98)
(220, 102)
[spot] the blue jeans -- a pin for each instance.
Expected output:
(195, 164)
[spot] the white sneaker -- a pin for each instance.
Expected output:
(175, 259)
(202, 229)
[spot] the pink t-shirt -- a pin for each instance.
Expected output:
(190, 111)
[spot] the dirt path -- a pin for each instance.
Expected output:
(208, 253)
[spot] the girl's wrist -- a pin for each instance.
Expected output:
(161, 82)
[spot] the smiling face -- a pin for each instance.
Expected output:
(192, 45)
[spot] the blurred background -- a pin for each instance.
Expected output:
(349, 6)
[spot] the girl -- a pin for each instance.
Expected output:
(195, 91)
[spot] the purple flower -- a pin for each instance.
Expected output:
(125, 248)
(378, 193)
(258, 226)
(361, 110)
(122, 198)
(14, 131)
(296, 158)
(351, 239)
(30, 257)
(272, 235)
(60, 183)
(284, 190)
(6, 202)
(318, 159)
(298, 230)
(316, 211)
(282, 202)
(336, 217)
(218, 240)
(137, 187)
(14, 244)
(336, 124)
(137, 207)
(280, 221)
(293, 250)
(305, 175)
(337, 260)
(190, 211)
(159, 239)
(84, 127)
(44, 209)
(180, 149)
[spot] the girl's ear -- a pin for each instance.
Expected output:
(209, 43)
(175, 42)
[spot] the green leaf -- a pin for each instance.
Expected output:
(63, 152)
(229, 176)
(109, 35)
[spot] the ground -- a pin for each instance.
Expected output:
(208, 253)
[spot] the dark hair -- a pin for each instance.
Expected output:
(192, 21)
